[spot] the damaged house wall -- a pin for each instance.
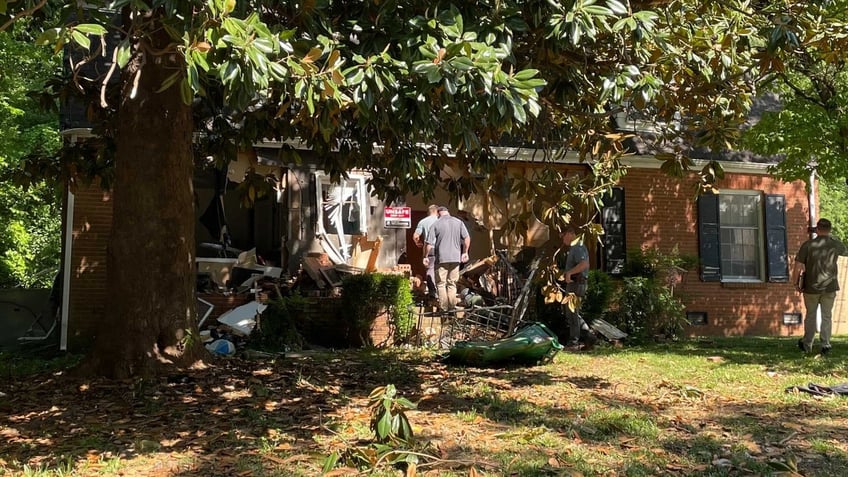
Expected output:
(654, 211)
(282, 227)
(303, 213)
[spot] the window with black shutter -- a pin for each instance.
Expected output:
(612, 220)
(776, 250)
(708, 238)
(742, 237)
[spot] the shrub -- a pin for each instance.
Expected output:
(647, 309)
(598, 295)
(651, 263)
(367, 295)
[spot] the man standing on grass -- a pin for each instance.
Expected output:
(816, 262)
(449, 241)
(572, 262)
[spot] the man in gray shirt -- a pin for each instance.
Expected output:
(449, 242)
(420, 239)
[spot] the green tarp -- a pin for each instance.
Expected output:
(531, 344)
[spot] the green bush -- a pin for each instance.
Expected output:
(651, 263)
(367, 295)
(598, 295)
(646, 309)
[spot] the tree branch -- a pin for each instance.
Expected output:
(23, 13)
(799, 91)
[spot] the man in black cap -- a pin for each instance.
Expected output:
(816, 262)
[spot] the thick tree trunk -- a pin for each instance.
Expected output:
(151, 307)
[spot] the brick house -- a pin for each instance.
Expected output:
(744, 238)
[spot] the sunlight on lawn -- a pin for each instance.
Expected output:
(705, 407)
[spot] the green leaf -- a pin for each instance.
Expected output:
(48, 36)
(91, 29)
(450, 86)
(525, 75)
(231, 72)
(330, 462)
(597, 10)
(434, 75)
(186, 93)
(461, 63)
(81, 39)
(357, 77)
(122, 55)
(518, 111)
(617, 7)
(199, 58)
(310, 102)
(264, 45)
(384, 426)
(277, 71)
(169, 81)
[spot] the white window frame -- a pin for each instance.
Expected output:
(726, 276)
(357, 181)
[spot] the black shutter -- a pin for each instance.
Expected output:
(776, 253)
(708, 238)
(612, 219)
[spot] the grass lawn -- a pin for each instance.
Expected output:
(711, 407)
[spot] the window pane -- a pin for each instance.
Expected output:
(739, 216)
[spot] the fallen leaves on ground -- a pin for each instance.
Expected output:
(238, 417)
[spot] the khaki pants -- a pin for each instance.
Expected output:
(447, 275)
(812, 302)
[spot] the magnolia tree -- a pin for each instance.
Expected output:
(402, 89)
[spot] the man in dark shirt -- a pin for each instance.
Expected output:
(816, 260)
(572, 261)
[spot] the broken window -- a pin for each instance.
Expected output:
(342, 208)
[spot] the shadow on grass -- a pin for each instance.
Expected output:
(266, 417)
(51, 418)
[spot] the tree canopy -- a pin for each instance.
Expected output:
(403, 89)
(806, 65)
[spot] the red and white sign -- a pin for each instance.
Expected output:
(397, 217)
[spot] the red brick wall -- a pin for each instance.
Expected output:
(661, 212)
(92, 224)
(323, 324)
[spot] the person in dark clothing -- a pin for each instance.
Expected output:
(816, 262)
(572, 262)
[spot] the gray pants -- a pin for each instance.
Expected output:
(430, 278)
(812, 302)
